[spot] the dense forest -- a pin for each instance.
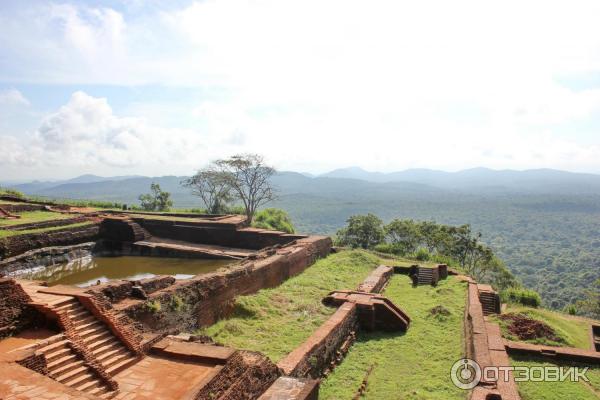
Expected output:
(550, 243)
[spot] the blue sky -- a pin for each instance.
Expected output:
(156, 88)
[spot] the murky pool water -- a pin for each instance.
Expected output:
(89, 270)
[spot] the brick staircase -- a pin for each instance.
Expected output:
(68, 368)
(427, 276)
(97, 338)
(139, 233)
(490, 301)
(7, 215)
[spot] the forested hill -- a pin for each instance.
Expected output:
(544, 224)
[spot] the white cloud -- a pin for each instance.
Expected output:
(314, 85)
(85, 133)
(13, 97)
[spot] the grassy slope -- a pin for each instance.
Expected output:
(4, 234)
(414, 365)
(34, 216)
(275, 321)
(574, 331)
(558, 390)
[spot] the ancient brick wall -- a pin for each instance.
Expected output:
(210, 297)
(35, 362)
(15, 245)
(216, 234)
(23, 207)
(15, 314)
(315, 355)
(246, 375)
(45, 224)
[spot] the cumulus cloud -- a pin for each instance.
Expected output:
(13, 97)
(86, 133)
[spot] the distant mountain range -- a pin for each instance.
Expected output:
(338, 183)
(537, 180)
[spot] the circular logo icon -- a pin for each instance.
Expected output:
(465, 374)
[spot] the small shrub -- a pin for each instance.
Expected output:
(571, 309)
(422, 254)
(153, 306)
(522, 296)
(177, 304)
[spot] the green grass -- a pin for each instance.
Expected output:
(5, 234)
(414, 365)
(557, 390)
(34, 216)
(573, 331)
(275, 321)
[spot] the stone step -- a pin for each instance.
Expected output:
(99, 341)
(91, 385)
(117, 351)
(56, 354)
(121, 365)
(115, 359)
(92, 331)
(67, 367)
(78, 314)
(54, 347)
(73, 374)
(59, 362)
(83, 378)
(103, 349)
(80, 327)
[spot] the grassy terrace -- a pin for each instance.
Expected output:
(275, 321)
(34, 216)
(5, 234)
(558, 390)
(415, 365)
(574, 331)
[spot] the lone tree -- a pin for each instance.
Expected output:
(213, 187)
(157, 200)
(243, 177)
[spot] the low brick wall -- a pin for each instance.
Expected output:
(331, 340)
(210, 297)
(216, 234)
(45, 224)
(314, 356)
(23, 207)
(246, 375)
(14, 245)
(15, 313)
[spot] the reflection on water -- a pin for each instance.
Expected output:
(88, 270)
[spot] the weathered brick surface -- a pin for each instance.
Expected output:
(245, 376)
(15, 314)
(209, 297)
(218, 234)
(314, 356)
(288, 388)
(46, 224)
(15, 245)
